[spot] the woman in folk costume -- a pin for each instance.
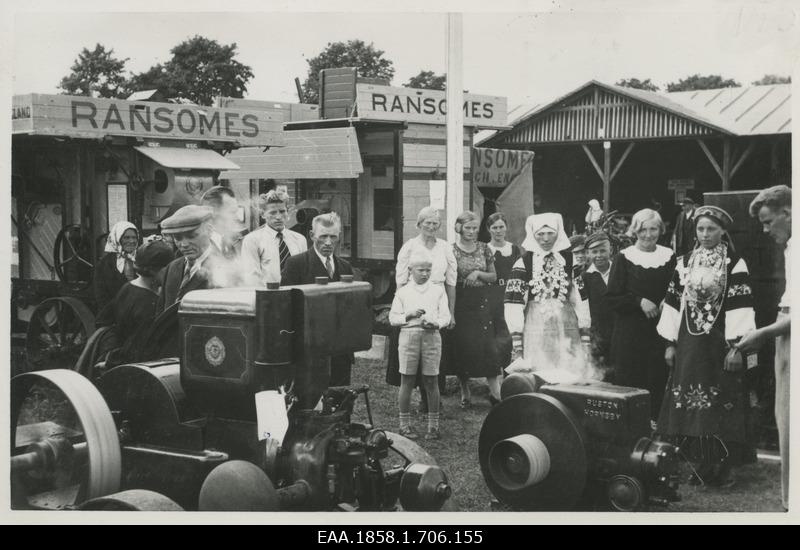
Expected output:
(115, 268)
(543, 309)
(593, 216)
(707, 309)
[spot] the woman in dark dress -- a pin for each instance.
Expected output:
(132, 311)
(505, 254)
(708, 308)
(471, 343)
(115, 268)
(637, 284)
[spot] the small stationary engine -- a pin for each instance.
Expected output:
(577, 445)
(185, 433)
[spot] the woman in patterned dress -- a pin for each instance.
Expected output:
(708, 308)
(543, 308)
(471, 344)
(505, 255)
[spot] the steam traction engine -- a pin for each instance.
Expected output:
(189, 434)
(574, 445)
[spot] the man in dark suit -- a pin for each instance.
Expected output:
(683, 238)
(320, 261)
(593, 286)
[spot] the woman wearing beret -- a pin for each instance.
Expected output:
(133, 309)
(707, 309)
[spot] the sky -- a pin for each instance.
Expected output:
(532, 52)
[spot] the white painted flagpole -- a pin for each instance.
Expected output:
(455, 122)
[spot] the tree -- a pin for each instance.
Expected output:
(697, 82)
(772, 79)
(96, 73)
(638, 84)
(427, 80)
(199, 70)
(368, 61)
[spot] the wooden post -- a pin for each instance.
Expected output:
(354, 219)
(398, 190)
(607, 176)
(726, 164)
(455, 122)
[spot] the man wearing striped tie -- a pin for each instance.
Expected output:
(321, 261)
(266, 250)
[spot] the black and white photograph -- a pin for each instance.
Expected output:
(261, 266)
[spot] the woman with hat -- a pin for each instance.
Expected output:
(115, 268)
(707, 309)
(543, 309)
(133, 309)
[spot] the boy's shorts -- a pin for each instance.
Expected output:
(419, 344)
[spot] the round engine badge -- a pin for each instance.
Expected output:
(215, 351)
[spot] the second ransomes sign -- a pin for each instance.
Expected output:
(427, 106)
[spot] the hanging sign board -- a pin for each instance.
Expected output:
(377, 102)
(497, 167)
(89, 117)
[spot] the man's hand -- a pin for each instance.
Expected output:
(649, 309)
(428, 324)
(751, 342)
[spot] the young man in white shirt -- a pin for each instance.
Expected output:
(420, 309)
(266, 250)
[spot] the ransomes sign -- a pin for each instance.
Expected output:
(86, 117)
(427, 106)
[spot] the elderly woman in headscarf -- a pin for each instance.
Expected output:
(707, 309)
(115, 268)
(543, 308)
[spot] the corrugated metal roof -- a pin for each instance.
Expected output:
(326, 153)
(754, 110)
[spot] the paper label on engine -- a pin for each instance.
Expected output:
(271, 416)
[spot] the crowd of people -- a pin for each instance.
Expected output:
(620, 307)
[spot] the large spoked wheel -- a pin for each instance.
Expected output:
(421, 488)
(57, 333)
(64, 444)
(71, 246)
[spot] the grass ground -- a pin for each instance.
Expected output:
(757, 488)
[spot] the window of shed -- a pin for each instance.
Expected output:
(383, 215)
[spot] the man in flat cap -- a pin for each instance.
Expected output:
(683, 237)
(593, 289)
(190, 229)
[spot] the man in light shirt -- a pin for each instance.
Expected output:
(266, 250)
(773, 207)
(226, 233)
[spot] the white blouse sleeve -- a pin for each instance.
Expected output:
(401, 270)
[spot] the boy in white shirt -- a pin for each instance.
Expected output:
(420, 308)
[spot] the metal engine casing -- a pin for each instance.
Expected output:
(609, 431)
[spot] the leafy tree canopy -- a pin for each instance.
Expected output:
(96, 73)
(638, 84)
(427, 80)
(772, 79)
(200, 69)
(698, 82)
(368, 61)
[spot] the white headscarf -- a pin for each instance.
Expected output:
(550, 220)
(113, 243)
(595, 212)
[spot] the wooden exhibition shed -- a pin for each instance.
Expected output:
(377, 153)
(634, 149)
